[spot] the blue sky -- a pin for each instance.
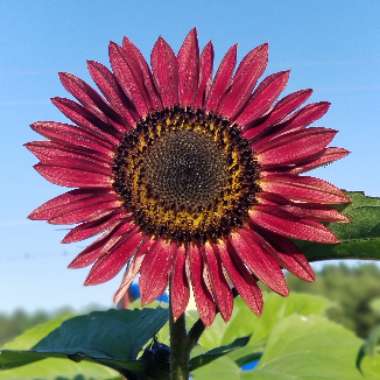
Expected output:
(333, 47)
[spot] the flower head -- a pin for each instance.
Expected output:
(191, 178)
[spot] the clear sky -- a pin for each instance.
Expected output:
(331, 46)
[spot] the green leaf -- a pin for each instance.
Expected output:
(244, 322)
(113, 338)
(221, 369)
(216, 353)
(304, 348)
(51, 369)
(113, 334)
(360, 239)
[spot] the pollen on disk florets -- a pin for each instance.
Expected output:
(186, 175)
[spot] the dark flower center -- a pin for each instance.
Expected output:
(186, 175)
(185, 170)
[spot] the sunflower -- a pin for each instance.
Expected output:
(191, 180)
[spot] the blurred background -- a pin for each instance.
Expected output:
(332, 47)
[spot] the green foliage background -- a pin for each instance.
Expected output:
(354, 291)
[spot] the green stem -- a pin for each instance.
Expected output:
(179, 352)
(194, 334)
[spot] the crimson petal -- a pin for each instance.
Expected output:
(188, 69)
(291, 258)
(179, 292)
(72, 177)
(110, 264)
(165, 72)
(328, 155)
(263, 97)
(318, 214)
(250, 69)
(132, 51)
(89, 212)
(203, 299)
(66, 159)
(95, 250)
(305, 189)
(243, 281)
(155, 270)
(86, 95)
(262, 264)
(72, 136)
(108, 85)
(134, 266)
(86, 120)
(47, 151)
(129, 79)
(306, 116)
(284, 224)
(206, 63)
(220, 287)
(280, 111)
(67, 202)
(222, 80)
(294, 146)
(89, 229)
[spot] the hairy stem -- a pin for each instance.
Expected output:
(179, 352)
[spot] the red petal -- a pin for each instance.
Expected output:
(87, 213)
(89, 229)
(96, 249)
(67, 202)
(294, 146)
(220, 287)
(85, 119)
(243, 281)
(305, 189)
(71, 135)
(306, 116)
(318, 214)
(53, 156)
(129, 79)
(203, 299)
(110, 264)
(108, 85)
(282, 223)
(87, 96)
(263, 97)
(291, 258)
(133, 52)
(280, 111)
(250, 69)
(134, 266)
(188, 69)
(326, 157)
(73, 177)
(205, 72)
(47, 151)
(165, 72)
(262, 264)
(155, 271)
(222, 80)
(179, 291)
